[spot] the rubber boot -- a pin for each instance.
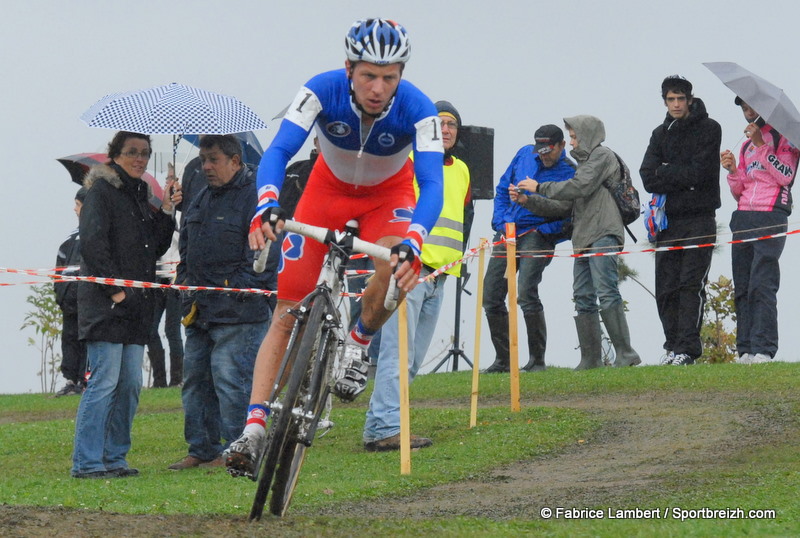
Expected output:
(617, 328)
(589, 337)
(175, 369)
(498, 328)
(157, 366)
(537, 341)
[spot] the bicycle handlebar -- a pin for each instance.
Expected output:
(320, 234)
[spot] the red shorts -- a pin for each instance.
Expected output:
(381, 210)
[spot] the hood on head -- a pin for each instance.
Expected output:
(590, 132)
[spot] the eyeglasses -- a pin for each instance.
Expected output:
(450, 125)
(132, 154)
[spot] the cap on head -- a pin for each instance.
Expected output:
(445, 107)
(81, 194)
(377, 41)
(677, 84)
(546, 137)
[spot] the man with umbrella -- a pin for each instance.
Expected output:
(761, 184)
(681, 163)
(367, 120)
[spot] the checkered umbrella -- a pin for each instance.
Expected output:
(173, 109)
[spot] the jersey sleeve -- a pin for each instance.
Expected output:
(428, 163)
(292, 134)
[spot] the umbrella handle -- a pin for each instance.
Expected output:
(260, 262)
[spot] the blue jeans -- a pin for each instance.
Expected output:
(217, 377)
(105, 414)
(596, 278)
(530, 272)
(423, 305)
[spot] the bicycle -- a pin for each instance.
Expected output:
(308, 367)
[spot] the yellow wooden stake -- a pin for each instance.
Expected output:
(513, 340)
(405, 419)
(473, 415)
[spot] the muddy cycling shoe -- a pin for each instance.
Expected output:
(354, 380)
(244, 454)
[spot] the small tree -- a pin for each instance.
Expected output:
(719, 343)
(46, 320)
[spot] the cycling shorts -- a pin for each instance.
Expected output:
(381, 210)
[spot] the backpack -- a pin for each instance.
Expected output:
(625, 195)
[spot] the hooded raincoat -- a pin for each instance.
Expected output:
(594, 212)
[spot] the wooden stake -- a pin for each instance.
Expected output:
(473, 415)
(513, 340)
(405, 419)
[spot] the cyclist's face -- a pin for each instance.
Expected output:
(374, 85)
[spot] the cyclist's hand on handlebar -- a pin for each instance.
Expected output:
(406, 263)
(265, 226)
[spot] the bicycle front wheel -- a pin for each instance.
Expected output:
(321, 331)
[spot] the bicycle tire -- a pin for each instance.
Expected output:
(315, 394)
(279, 431)
(279, 424)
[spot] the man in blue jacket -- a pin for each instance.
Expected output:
(223, 329)
(537, 236)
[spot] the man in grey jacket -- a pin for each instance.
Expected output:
(597, 227)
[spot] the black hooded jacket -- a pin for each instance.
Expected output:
(682, 161)
(122, 236)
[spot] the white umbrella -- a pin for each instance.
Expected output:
(769, 101)
(172, 109)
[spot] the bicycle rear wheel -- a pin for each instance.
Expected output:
(314, 396)
(282, 435)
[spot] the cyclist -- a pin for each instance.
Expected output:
(367, 119)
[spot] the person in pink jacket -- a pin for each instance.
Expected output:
(761, 184)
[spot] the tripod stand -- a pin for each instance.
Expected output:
(455, 351)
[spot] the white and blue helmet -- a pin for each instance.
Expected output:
(377, 41)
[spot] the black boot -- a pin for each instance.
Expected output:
(537, 341)
(175, 369)
(589, 337)
(617, 328)
(158, 367)
(498, 328)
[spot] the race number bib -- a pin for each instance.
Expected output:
(304, 109)
(429, 134)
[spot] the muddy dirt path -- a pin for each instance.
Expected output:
(646, 439)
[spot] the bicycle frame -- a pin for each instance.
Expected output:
(306, 368)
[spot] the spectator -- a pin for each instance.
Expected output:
(682, 162)
(761, 184)
(167, 304)
(367, 119)
(223, 330)
(73, 351)
(538, 232)
(597, 227)
(121, 237)
(444, 245)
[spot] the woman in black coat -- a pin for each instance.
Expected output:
(122, 236)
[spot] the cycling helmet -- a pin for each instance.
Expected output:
(377, 41)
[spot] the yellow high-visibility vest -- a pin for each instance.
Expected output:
(445, 242)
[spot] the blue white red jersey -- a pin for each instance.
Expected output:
(410, 122)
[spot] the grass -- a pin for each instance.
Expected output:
(36, 442)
